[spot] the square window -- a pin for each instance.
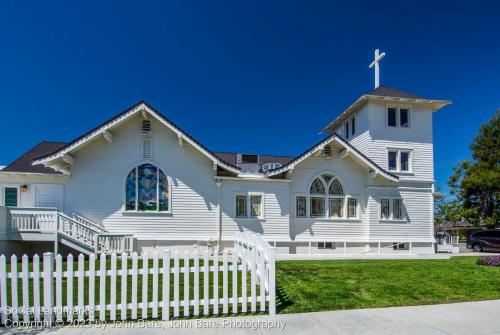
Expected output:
(397, 209)
(10, 196)
(301, 207)
(317, 207)
(352, 208)
(393, 160)
(384, 209)
(405, 160)
(336, 207)
(391, 117)
(241, 206)
(255, 205)
(404, 117)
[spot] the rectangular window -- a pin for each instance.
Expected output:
(241, 206)
(399, 246)
(353, 126)
(10, 196)
(255, 205)
(404, 117)
(391, 117)
(301, 207)
(405, 160)
(346, 130)
(384, 209)
(326, 245)
(317, 207)
(352, 208)
(397, 209)
(393, 160)
(336, 207)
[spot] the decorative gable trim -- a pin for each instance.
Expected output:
(348, 149)
(140, 107)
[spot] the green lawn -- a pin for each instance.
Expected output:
(306, 286)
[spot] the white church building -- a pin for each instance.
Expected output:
(138, 182)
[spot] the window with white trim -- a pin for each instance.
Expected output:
(249, 206)
(350, 128)
(147, 190)
(352, 208)
(326, 245)
(398, 117)
(399, 160)
(391, 208)
(346, 130)
(326, 199)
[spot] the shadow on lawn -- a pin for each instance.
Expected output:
(282, 299)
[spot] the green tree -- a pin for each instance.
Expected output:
(475, 183)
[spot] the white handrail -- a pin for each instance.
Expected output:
(87, 222)
(49, 220)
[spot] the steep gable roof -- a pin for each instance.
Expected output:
(24, 162)
(347, 147)
(126, 114)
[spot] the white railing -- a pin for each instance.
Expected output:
(254, 251)
(82, 233)
(94, 237)
(170, 285)
(89, 223)
(451, 239)
(33, 219)
(109, 243)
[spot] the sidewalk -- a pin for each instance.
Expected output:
(463, 318)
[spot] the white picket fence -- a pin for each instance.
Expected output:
(139, 287)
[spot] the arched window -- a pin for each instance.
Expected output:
(326, 199)
(147, 189)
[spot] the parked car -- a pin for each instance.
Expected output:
(484, 240)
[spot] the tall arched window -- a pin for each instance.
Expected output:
(326, 199)
(147, 189)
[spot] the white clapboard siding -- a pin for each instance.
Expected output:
(250, 254)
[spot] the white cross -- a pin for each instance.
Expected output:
(375, 63)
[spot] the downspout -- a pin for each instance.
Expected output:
(219, 214)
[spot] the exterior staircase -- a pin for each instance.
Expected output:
(77, 232)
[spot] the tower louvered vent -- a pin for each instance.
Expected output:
(147, 148)
(145, 126)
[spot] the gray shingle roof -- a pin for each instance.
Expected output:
(384, 91)
(23, 163)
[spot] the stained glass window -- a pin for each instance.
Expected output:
(336, 188)
(301, 210)
(327, 177)
(317, 207)
(336, 207)
(317, 187)
(131, 191)
(147, 189)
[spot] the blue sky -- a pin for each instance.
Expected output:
(253, 76)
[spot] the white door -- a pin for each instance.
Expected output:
(49, 195)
